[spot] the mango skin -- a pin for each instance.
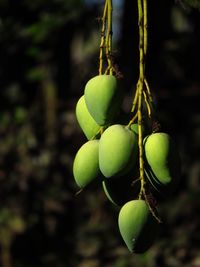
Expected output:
(137, 226)
(163, 160)
(86, 163)
(85, 120)
(121, 189)
(134, 128)
(117, 150)
(103, 98)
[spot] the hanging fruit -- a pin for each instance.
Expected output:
(86, 163)
(135, 164)
(103, 98)
(85, 120)
(137, 226)
(163, 161)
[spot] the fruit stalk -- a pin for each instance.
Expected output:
(102, 43)
(142, 82)
(140, 87)
(149, 102)
(148, 98)
(145, 26)
(140, 141)
(141, 43)
(109, 38)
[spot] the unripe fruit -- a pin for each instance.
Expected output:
(137, 226)
(103, 98)
(86, 163)
(122, 189)
(117, 150)
(163, 160)
(134, 128)
(85, 120)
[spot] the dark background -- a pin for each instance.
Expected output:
(48, 51)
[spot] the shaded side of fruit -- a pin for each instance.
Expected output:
(121, 189)
(158, 190)
(137, 226)
(163, 160)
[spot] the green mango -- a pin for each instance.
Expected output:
(162, 160)
(134, 128)
(103, 98)
(117, 150)
(86, 163)
(85, 120)
(123, 188)
(137, 226)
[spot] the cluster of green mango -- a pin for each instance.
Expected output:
(111, 154)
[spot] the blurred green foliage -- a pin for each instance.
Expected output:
(193, 3)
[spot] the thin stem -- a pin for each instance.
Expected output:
(109, 37)
(142, 19)
(102, 43)
(150, 98)
(141, 40)
(79, 191)
(145, 26)
(142, 91)
(147, 104)
(132, 120)
(140, 87)
(100, 131)
(135, 100)
(148, 90)
(152, 210)
(140, 144)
